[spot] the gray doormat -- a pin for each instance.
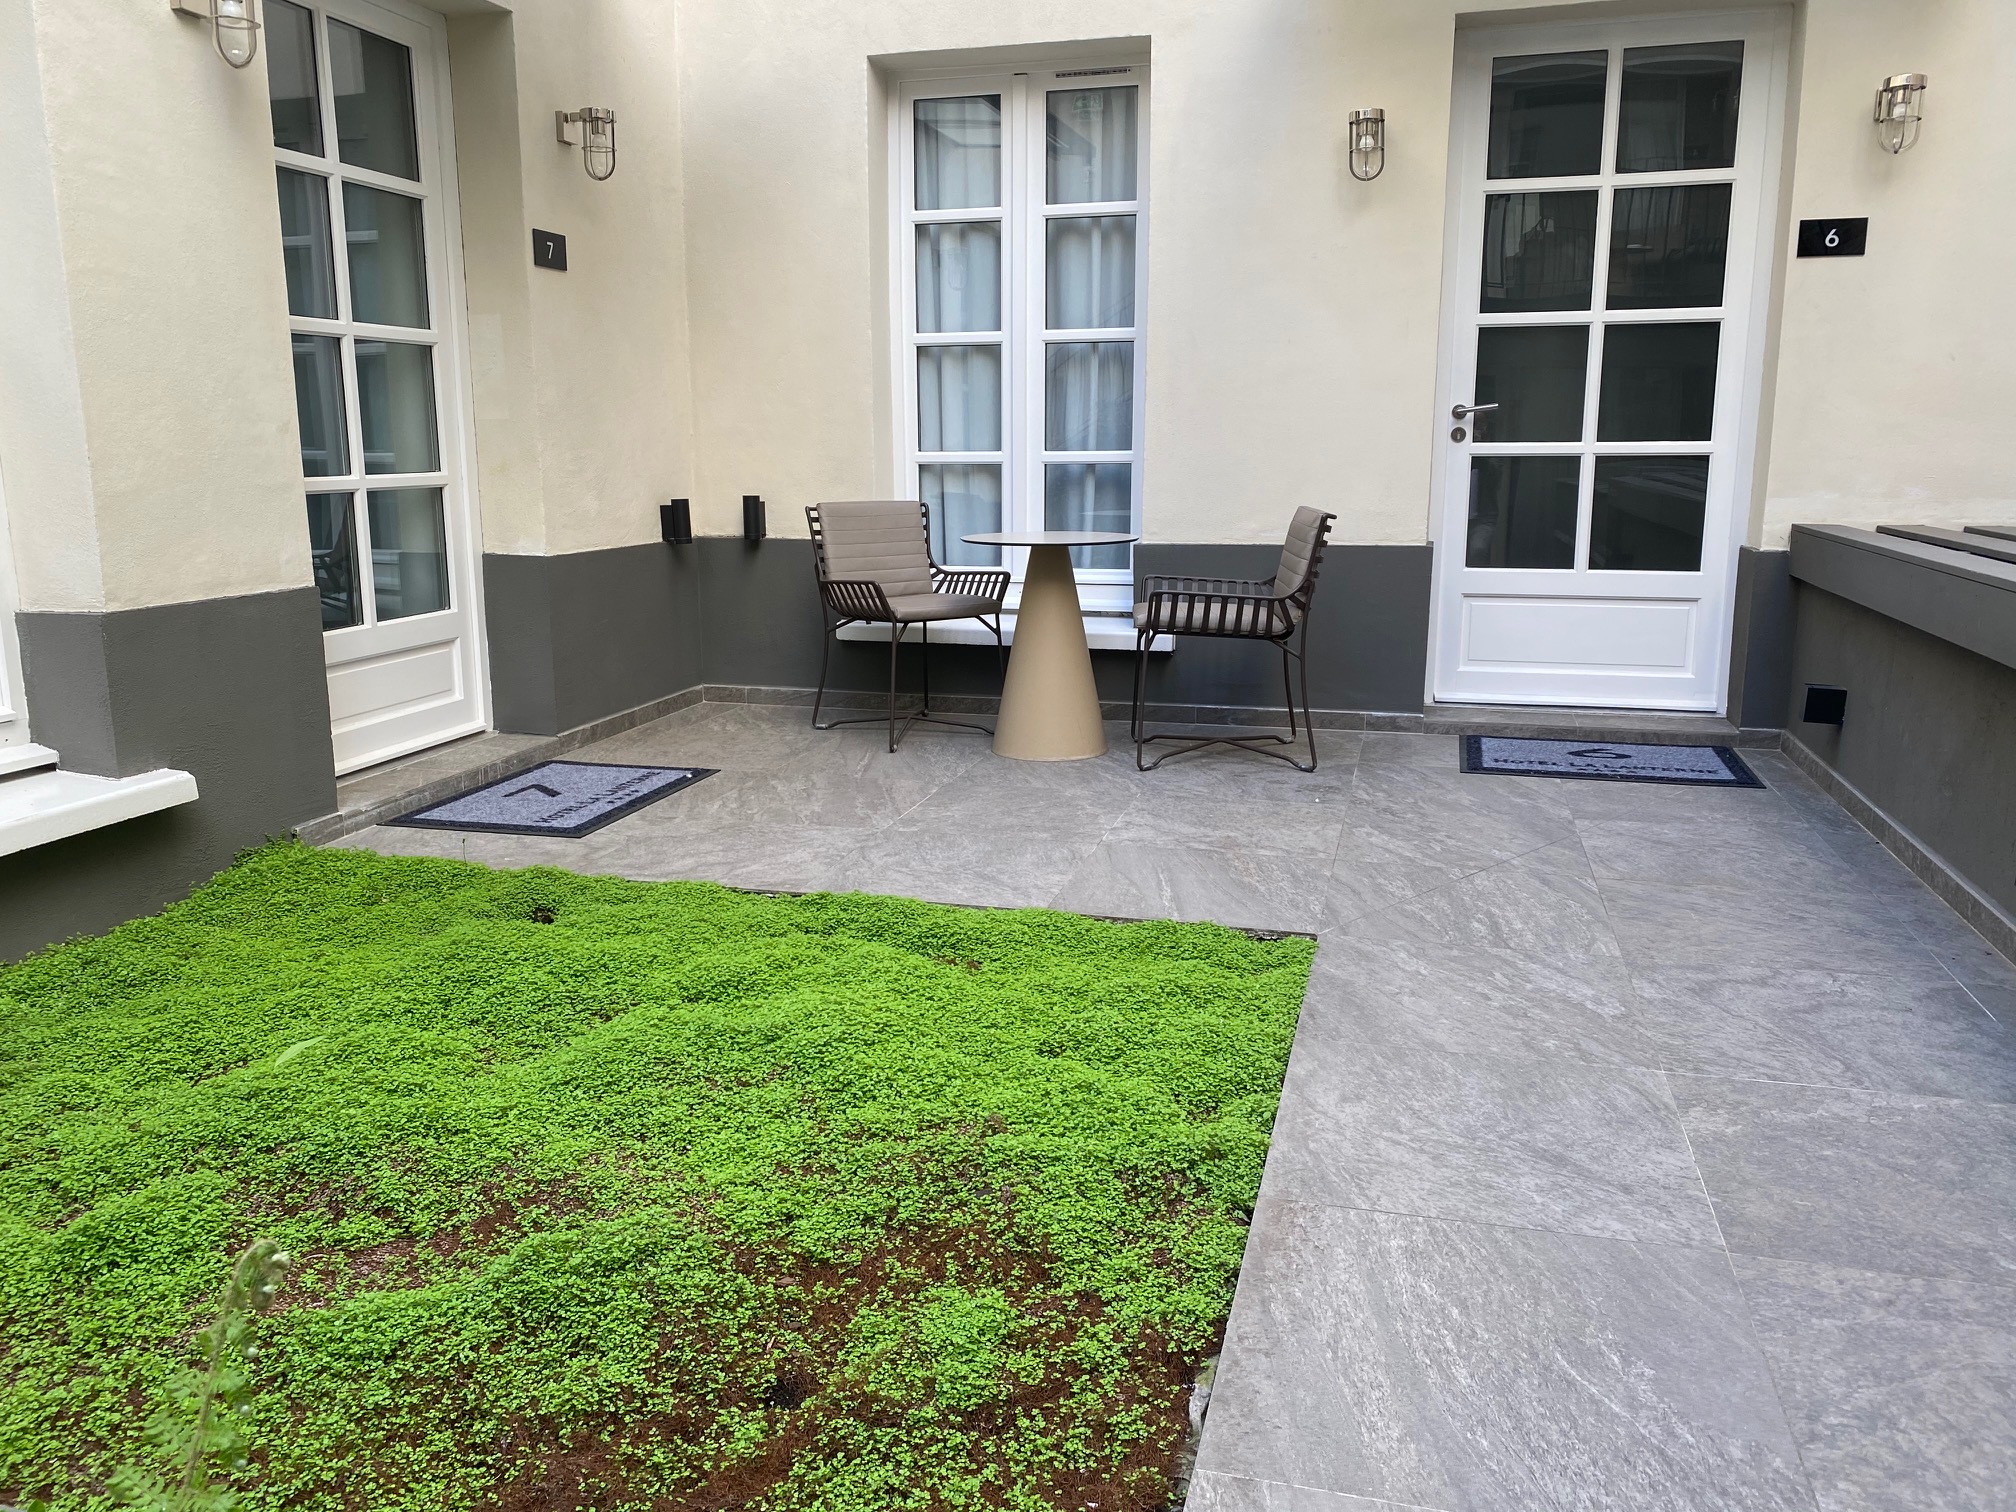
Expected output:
(564, 798)
(1607, 761)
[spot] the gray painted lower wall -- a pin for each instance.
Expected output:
(1930, 738)
(579, 637)
(1760, 646)
(1368, 633)
(231, 690)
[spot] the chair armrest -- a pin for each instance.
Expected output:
(1215, 606)
(987, 582)
(850, 599)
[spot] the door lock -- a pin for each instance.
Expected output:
(1460, 412)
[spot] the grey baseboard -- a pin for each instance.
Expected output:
(1927, 865)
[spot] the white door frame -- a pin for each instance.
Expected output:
(1753, 241)
(13, 705)
(426, 33)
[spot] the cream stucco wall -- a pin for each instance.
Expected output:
(1896, 370)
(147, 416)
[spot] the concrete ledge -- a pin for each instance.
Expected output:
(1967, 600)
(1638, 727)
(39, 807)
(1926, 864)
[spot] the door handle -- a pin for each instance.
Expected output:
(1463, 412)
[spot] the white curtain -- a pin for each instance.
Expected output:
(1089, 278)
(959, 276)
(1092, 140)
(958, 149)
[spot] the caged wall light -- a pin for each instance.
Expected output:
(1368, 144)
(1898, 110)
(233, 26)
(598, 137)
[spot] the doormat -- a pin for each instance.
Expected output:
(1607, 761)
(564, 798)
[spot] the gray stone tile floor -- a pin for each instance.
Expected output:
(1642, 1147)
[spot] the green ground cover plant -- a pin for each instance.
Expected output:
(629, 1195)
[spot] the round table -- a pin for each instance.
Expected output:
(1049, 704)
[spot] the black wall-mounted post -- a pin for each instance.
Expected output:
(754, 528)
(1825, 705)
(675, 522)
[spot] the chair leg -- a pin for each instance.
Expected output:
(1302, 657)
(825, 656)
(895, 639)
(924, 636)
(1141, 643)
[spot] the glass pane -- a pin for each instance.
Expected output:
(1092, 135)
(395, 400)
(1088, 396)
(1089, 284)
(959, 277)
(290, 77)
(332, 549)
(1522, 511)
(1537, 376)
(1668, 246)
(318, 404)
(388, 256)
(1658, 382)
(958, 152)
(1647, 514)
(959, 398)
(965, 499)
(1546, 115)
(1539, 251)
(1090, 496)
(1679, 107)
(304, 244)
(409, 551)
(373, 78)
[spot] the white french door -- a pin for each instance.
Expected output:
(370, 241)
(1021, 246)
(1610, 190)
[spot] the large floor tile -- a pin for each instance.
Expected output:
(1924, 1033)
(730, 737)
(956, 863)
(1224, 772)
(1901, 1392)
(1510, 1005)
(1595, 1150)
(1486, 1369)
(1248, 889)
(1676, 802)
(1440, 753)
(1543, 902)
(1308, 832)
(1765, 852)
(1660, 924)
(1881, 1181)
(1212, 1492)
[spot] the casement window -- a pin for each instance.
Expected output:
(1021, 236)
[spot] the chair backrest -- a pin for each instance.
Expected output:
(1301, 557)
(885, 541)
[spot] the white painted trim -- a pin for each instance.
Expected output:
(44, 806)
(1103, 632)
(1744, 318)
(25, 756)
(13, 702)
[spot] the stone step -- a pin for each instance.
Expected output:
(1637, 726)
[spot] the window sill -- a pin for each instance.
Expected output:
(38, 806)
(1103, 632)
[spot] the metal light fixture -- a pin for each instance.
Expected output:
(598, 137)
(1898, 110)
(233, 26)
(1368, 144)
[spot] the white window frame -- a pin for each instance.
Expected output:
(1024, 215)
(13, 701)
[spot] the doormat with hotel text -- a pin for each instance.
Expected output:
(568, 799)
(1607, 761)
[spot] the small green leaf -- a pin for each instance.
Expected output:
(295, 1049)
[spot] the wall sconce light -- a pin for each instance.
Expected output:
(1368, 144)
(1898, 110)
(233, 26)
(598, 137)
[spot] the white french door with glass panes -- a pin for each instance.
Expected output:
(1611, 188)
(370, 241)
(1021, 242)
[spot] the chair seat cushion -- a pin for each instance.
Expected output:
(1259, 618)
(912, 607)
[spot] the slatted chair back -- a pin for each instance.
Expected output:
(1301, 558)
(881, 541)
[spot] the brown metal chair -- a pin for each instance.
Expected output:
(1230, 609)
(873, 561)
